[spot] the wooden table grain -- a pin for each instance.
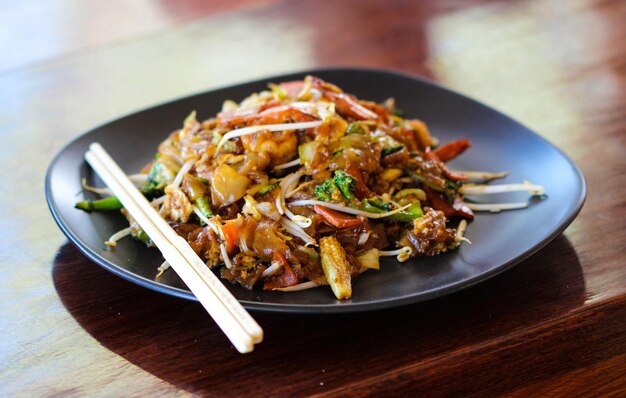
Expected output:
(552, 325)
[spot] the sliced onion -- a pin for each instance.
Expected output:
(363, 238)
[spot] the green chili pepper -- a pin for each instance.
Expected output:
(375, 205)
(107, 204)
(407, 215)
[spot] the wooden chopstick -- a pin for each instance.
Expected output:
(231, 317)
(181, 245)
(170, 239)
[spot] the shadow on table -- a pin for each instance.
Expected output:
(176, 341)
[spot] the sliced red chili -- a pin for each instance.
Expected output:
(452, 149)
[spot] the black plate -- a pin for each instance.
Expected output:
(498, 240)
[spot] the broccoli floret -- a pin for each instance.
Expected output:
(341, 181)
(325, 190)
(345, 182)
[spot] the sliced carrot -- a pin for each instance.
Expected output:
(233, 236)
(280, 258)
(336, 218)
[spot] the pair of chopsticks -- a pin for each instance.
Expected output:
(240, 328)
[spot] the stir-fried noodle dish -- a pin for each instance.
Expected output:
(305, 185)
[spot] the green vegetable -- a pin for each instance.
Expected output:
(421, 179)
(398, 112)
(268, 188)
(107, 204)
(389, 150)
(204, 207)
(345, 182)
(376, 205)
(142, 236)
(158, 177)
(325, 190)
(453, 185)
(355, 128)
(450, 190)
(409, 214)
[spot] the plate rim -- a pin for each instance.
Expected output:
(338, 306)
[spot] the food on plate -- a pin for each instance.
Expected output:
(305, 185)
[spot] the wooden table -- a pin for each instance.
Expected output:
(554, 324)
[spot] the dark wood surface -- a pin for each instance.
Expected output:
(552, 325)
